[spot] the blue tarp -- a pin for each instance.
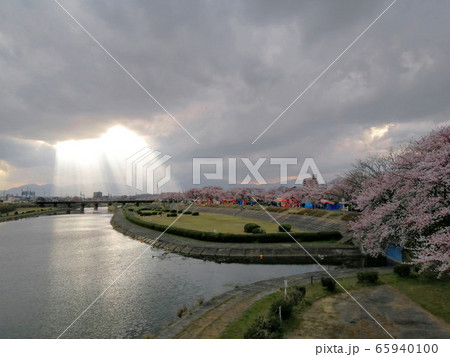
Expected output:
(332, 207)
(394, 252)
(309, 205)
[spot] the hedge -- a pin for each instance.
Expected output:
(237, 237)
(258, 230)
(284, 227)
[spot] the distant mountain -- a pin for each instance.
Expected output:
(49, 190)
(40, 190)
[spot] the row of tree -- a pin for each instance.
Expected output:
(404, 198)
(312, 194)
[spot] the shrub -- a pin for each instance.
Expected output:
(16, 213)
(144, 214)
(188, 212)
(296, 294)
(171, 215)
(368, 277)
(195, 213)
(249, 227)
(258, 230)
(402, 270)
(286, 308)
(166, 210)
(173, 211)
(287, 227)
(428, 275)
(265, 327)
(329, 284)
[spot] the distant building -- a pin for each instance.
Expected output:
(98, 195)
(11, 198)
(28, 195)
(311, 182)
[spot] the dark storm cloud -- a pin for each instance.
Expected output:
(26, 153)
(243, 62)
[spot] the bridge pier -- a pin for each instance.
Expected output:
(95, 206)
(55, 205)
(82, 207)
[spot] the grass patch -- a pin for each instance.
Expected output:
(33, 209)
(431, 295)
(260, 308)
(210, 222)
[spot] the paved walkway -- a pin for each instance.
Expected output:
(268, 253)
(336, 317)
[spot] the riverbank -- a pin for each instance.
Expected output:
(212, 318)
(323, 314)
(268, 253)
(52, 212)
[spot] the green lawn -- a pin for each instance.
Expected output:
(432, 296)
(25, 210)
(32, 209)
(208, 222)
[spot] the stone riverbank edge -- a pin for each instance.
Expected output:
(247, 253)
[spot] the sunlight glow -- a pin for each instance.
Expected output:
(96, 161)
(378, 132)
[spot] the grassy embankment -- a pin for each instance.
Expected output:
(20, 210)
(431, 295)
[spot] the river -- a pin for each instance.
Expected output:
(53, 267)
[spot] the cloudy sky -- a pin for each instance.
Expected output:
(225, 70)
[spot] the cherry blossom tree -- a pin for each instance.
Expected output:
(408, 204)
(212, 193)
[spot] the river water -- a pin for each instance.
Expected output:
(53, 267)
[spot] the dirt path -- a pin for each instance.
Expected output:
(215, 321)
(336, 317)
